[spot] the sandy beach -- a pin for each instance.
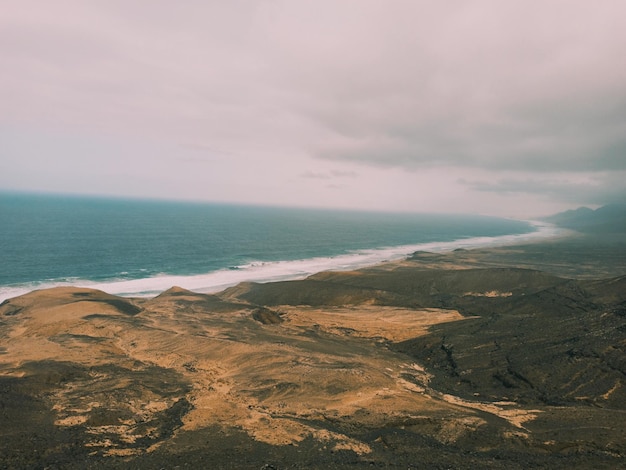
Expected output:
(493, 358)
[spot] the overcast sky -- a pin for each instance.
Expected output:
(500, 107)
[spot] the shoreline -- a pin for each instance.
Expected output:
(275, 271)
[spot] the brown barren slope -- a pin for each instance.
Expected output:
(451, 360)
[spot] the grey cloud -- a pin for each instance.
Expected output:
(411, 85)
(289, 86)
(602, 189)
(574, 133)
(328, 175)
(344, 174)
(335, 186)
(315, 175)
(498, 86)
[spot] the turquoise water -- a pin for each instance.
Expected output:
(138, 247)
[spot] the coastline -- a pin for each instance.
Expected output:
(273, 271)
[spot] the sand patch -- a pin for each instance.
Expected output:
(369, 321)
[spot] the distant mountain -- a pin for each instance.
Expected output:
(608, 219)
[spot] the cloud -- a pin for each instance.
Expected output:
(315, 175)
(597, 189)
(327, 175)
(344, 174)
(286, 91)
(538, 143)
(489, 91)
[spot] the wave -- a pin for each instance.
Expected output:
(259, 271)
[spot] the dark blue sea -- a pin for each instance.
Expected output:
(137, 247)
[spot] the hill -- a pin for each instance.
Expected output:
(606, 219)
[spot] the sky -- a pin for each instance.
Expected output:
(508, 108)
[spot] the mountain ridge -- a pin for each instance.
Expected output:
(610, 218)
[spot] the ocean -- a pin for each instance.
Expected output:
(141, 248)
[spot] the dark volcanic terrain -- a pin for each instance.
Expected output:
(512, 357)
